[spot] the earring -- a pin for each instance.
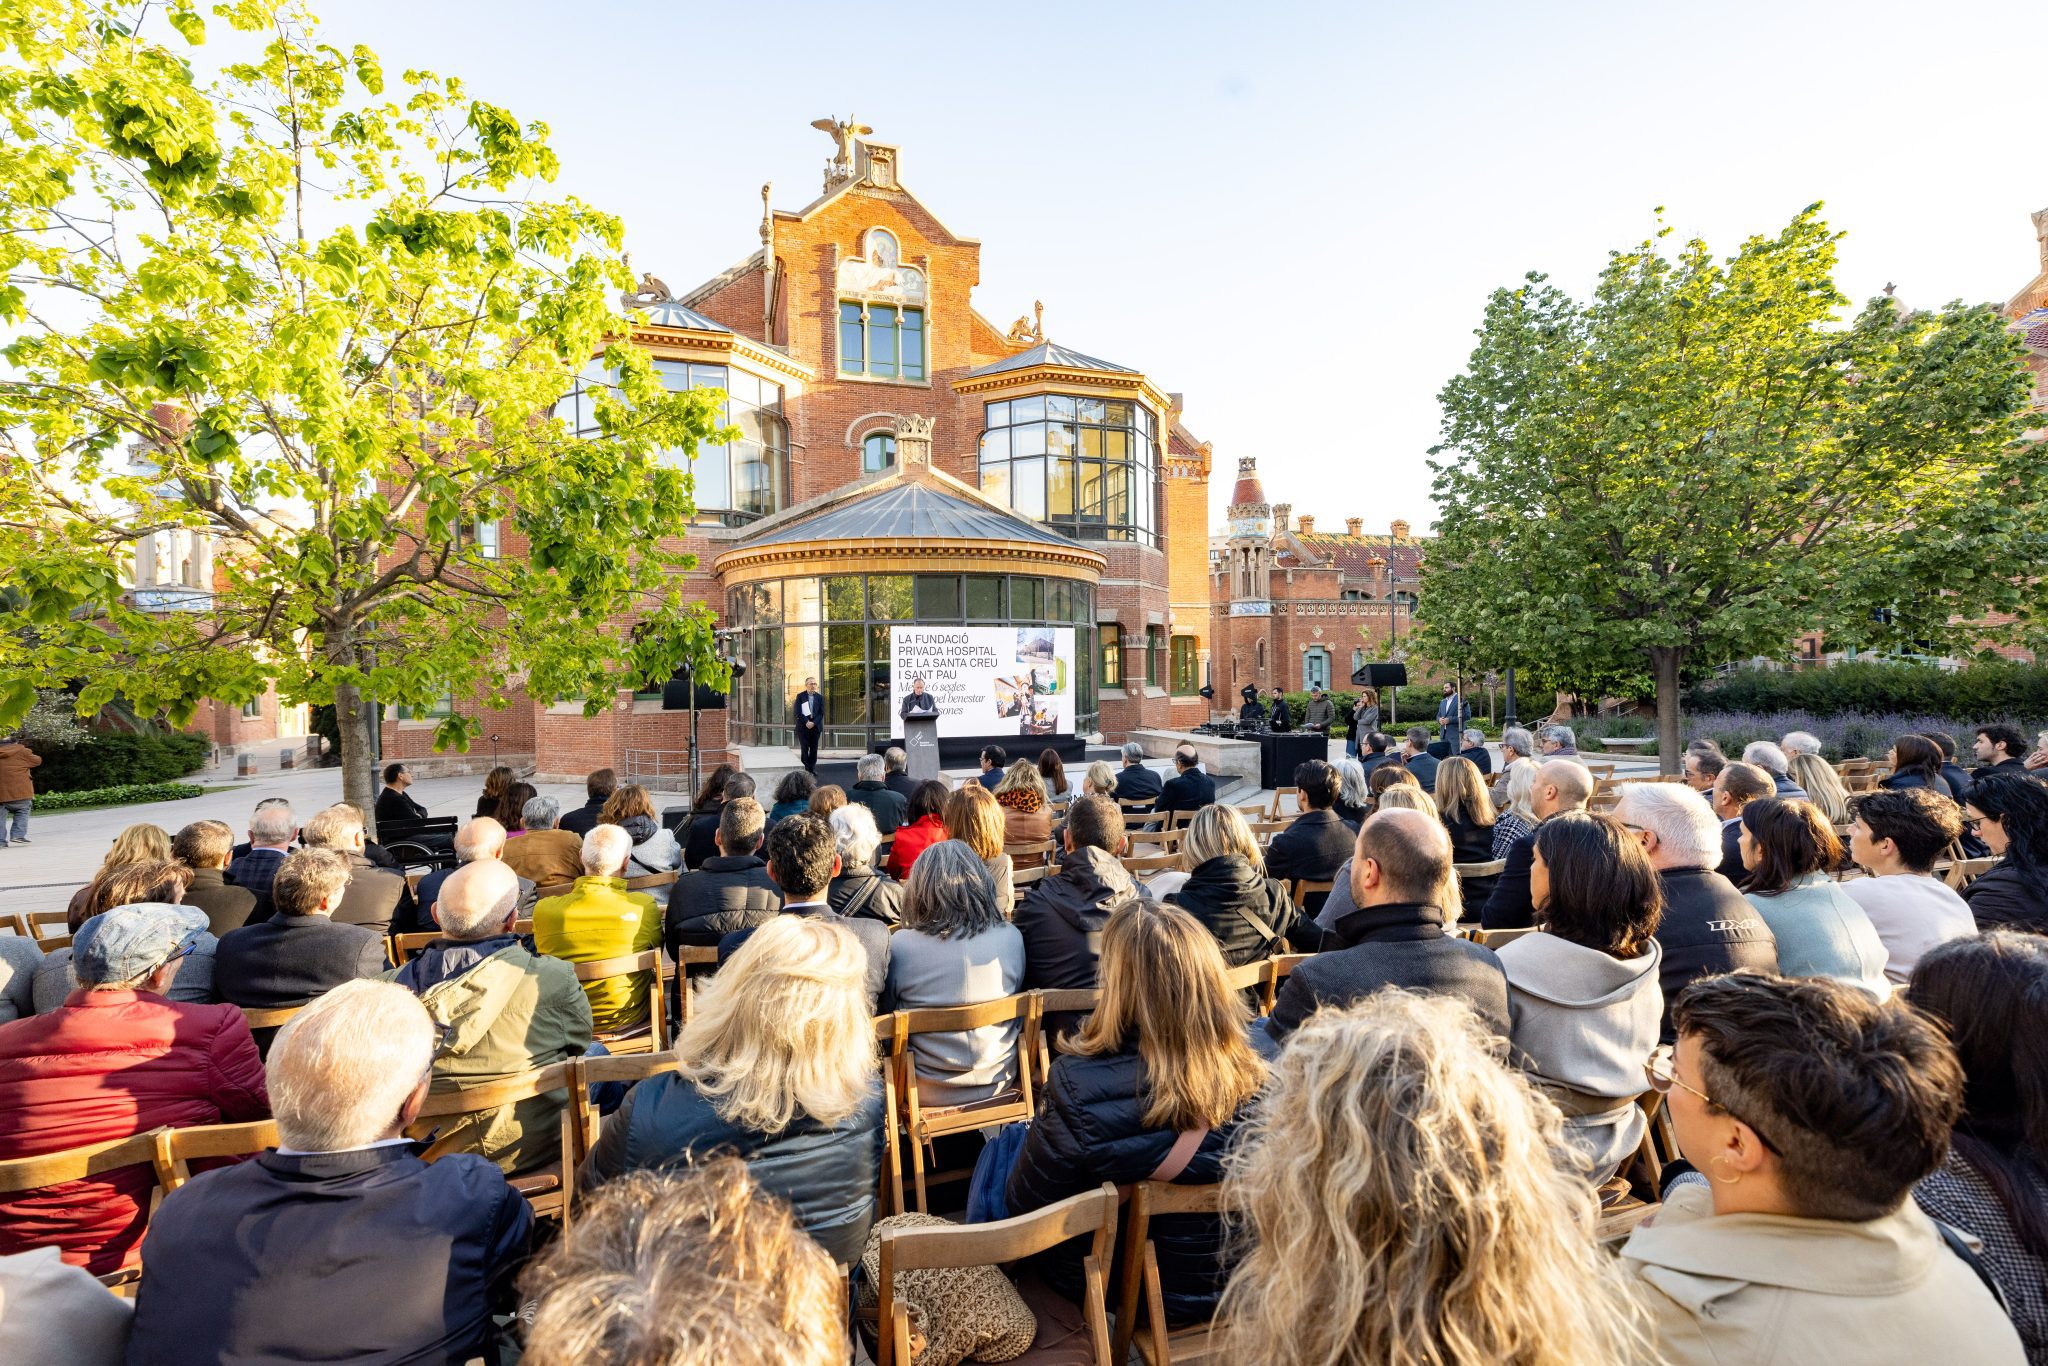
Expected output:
(1724, 1180)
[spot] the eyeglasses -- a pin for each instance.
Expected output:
(1973, 823)
(1662, 1068)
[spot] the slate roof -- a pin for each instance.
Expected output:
(907, 510)
(1350, 553)
(673, 314)
(1050, 353)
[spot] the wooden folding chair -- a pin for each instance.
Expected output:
(270, 1017)
(691, 956)
(1006, 1240)
(1167, 840)
(1965, 871)
(18, 1174)
(1157, 1345)
(1067, 1001)
(174, 1150)
(651, 1036)
(1277, 970)
(580, 1120)
(1135, 806)
(544, 1187)
(1140, 865)
(1279, 804)
(1178, 820)
(541, 894)
(404, 946)
(921, 1125)
(16, 923)
(1467, 871)
(1493, 939)
(1263, 831)
(648, 880)
(49, 929)
(1302, 888)
(1035, 855)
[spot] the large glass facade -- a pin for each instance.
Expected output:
(735, 483)
(836, 629)
(1085, 466)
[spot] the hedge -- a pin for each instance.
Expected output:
(1849, 735)
(119, 758)
(122, 795)
(1975, 695)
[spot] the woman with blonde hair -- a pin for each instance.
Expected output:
(777, 1063)
(654, 848)
(969, 813)
(1100, 779)
(1153, 1086)
(143, 843)
(1402, 1202)
(1466, 809)
(1518, 816)
(1223, 884)
(1408, 797)
(1027, 809)
(1823, 786)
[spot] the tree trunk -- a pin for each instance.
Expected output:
(1665, 661)
(355, 718)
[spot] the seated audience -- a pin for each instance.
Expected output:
(1224, 886)
(654, 849)
(1378, 753)
(1582, 992)
(2000, 749)
(1166, 1056)
(871, 790)
(956, 949)
(1767, 756)
(698, 1265)
(1813, 1111)
(273, 829)
(1472, 749)
(1736, 786)
(1407, 797)
(1062, 914)
(731, 891)
(702, 843)
(1702, 766)
(1558, 742)
(499, 1009)
(1027, 817)
(1354, 798)
(143, 843)
(1466, 809)
(1054, 771)
(972, 816)
(300, 952)
(597, 790)
(828, 798)
(1561, 785)
(1820, 930)
(792, 795)
(543, 854)
(375, 896)
(1951, 772)
(319, 1248)
(600, 919)
(1416, 758)
(54, 1314)
(1400, 880)
(131, 884)
(482, 840)
(1916, 762)
(1990, 993)
(1517, 747)
(1896, 837)
(1100, 779)
(392, 802)
(1134, 781)
(896, 772)
(923, 826)
(993, 759)
(1314, 846)
(1516, 815)
(1403, 1200)
(1189, 789)
(1798, 742)
(777, 1064)
(1380, 780)
(204, 847)
(511, 812)
(802, 860)
(1707, 927)
(2010, 814)
(116, 1059)
(1824, 787)
(495, 783)
(858, 889)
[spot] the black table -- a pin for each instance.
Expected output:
(1280, 755)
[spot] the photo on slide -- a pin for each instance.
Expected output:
(1010, 699)
(1034, 645)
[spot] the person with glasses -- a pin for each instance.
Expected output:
(1812, 1111)
(2010, 814)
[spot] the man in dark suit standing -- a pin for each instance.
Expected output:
(809, 711)
(1137, 783)
(1189, 789)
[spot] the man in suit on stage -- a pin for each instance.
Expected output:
(809, 711)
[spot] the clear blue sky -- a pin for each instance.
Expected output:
(1291, 213)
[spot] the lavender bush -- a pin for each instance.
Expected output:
(1849, 735)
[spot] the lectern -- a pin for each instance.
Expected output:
(921, 747)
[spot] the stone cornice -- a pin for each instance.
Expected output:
(662, 340)
(1041, 378)
(883, 555)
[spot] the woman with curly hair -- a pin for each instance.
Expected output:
(1027, 813)
(1403, 1204)
(792, 796)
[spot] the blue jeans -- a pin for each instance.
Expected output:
(14, 814)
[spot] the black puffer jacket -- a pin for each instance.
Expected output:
(1091, 1129)
(728, 893)
(2004, 898)
(861, 891)
(1220, 893)
(1062, 916)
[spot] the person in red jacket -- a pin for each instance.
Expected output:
(921, 829)
(117, 1059)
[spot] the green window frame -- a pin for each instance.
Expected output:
(1112, 655)
(882, 341)
(1185, 667)
(1155, 648)
(877, 452)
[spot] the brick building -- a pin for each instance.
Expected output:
(1295, 606)
(901, 459)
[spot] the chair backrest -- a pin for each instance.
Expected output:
(270, 1017)
(1246, 976)
(647, 961)
(646, 880)
(15, 923)
(1278, 969)
(404, 946)
(1150, 1200)
(1034, 855)
(1492, 869)
(1136, 803)
(1279, 806)
(1963, 872)
(174, 1149)
(76, 1164)
(1302, 888)
(1135, 864)
(1006, 1240)
(1493, 939)
(553, 890)
(1166, 839)
(489, 1095)
(49, 928)
(586, 1072)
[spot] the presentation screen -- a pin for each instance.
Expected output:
(987, 680)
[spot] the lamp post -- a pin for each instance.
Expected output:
(1508, 717)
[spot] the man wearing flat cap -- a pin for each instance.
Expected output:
(117, 1059)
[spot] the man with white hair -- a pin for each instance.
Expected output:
(1561, 785)
(272, 831)
(600, 919)
(859, 888)
(541, 852)
(870, 791)
(480, 841)
(500, 1009)
(319, 1248)
(376, 896)
(1558, 742)
(1135, 782)
(896, 773)
(1472, 745)
(1708, 927)
(1768, 757)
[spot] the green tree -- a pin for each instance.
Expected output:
(327, 327)
(1705, 460)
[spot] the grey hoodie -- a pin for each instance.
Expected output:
(1584, 1022)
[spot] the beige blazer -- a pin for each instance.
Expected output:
(1769, 1290)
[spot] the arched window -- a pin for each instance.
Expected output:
(877, 452)
(1259, 655)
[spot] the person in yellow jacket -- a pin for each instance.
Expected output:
(601, 919)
